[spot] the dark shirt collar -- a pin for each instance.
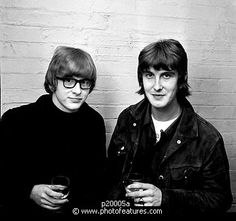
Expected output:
(169, 132)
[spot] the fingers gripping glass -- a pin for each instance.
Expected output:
(71, 82)
(63, 181)
(133, 178)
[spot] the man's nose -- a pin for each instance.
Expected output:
(157, 84)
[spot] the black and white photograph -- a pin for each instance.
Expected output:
(118, 108)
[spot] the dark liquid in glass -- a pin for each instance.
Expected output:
(63, 181)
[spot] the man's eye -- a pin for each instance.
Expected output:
(166, 76)
(69, 80)
(149, 75)
(86, 82)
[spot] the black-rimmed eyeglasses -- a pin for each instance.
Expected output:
(71, 82)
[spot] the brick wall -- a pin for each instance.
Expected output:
(113, 32)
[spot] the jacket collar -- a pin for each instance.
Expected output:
(187, 127)
(141, 110)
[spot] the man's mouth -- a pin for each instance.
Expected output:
(75, 100)
(158, 96)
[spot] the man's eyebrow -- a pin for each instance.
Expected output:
(148, 71)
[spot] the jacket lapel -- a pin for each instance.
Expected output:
(186, 130)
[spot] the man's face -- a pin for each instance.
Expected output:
(160, 88)
(69, 99)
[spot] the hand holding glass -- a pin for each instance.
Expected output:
(63, 182)
(133, 178)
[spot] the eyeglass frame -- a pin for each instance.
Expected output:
(76, 82)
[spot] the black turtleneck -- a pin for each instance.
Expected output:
(43, 141)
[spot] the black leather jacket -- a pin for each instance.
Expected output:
(193, 173)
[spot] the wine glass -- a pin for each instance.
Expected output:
(133, 178)
(62, 181)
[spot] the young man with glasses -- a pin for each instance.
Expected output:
(59, 134)
(180, 155)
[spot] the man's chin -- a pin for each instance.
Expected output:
(158, 104)
(74, 107)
